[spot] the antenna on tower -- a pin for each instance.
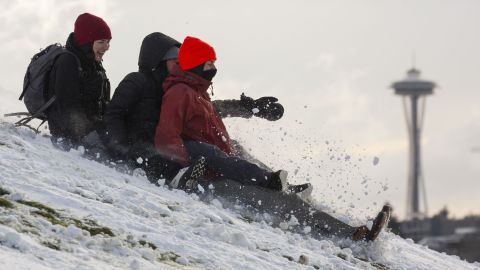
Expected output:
(413, 59)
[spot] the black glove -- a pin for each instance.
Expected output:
(264, 107)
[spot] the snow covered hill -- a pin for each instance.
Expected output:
(61, 211)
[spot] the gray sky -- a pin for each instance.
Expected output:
(329, 62)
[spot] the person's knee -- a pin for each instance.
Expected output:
(218, 152)
(202, 149)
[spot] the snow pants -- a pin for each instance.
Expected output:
(230, 167)
(280, 205)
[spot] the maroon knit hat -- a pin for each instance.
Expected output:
(194, 52)
(89, 28)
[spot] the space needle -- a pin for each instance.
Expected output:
(414, 91)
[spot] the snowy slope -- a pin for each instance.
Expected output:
(57, 202)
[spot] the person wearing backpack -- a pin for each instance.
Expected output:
(134, 111)
(80, 85)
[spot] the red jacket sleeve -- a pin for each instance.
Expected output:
(174, 114)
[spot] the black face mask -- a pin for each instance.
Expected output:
(206, 74)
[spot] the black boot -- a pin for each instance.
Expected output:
(278, 181)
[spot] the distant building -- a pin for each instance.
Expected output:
(459, 237)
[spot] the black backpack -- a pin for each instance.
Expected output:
(35, 84)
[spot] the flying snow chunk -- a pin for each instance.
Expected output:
(200, 188)
(139, 160)
(375, 161)
(255, 110)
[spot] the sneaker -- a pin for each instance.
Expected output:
(304, 191)
(278, 181)
(186, 178)
(360, 234)
(379, 223)
(387, 209)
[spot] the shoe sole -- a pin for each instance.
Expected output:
(283, 179)
(380, 222)
(304, 191)
(388, 210)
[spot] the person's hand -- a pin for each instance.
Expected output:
(264, 107)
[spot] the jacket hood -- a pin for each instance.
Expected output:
(153, 49)
(196, 82)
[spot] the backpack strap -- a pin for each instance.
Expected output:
(80, 73)
(79, 65)
(24, 121)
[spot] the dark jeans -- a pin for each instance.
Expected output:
(229, 167)
(280, 205)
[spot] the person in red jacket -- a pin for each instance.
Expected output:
(190, 126)
(190, 129)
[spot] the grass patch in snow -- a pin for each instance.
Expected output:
(39, 206)
(98, 230)
(168, 256)
(5, 203)
(92, 227)
(89, 225)
(51, 245)
(3, 192)
(145, 243)
(56, 219)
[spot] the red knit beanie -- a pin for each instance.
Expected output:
(89, 28)
(194, 52)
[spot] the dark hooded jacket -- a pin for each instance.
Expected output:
(134, 110)
(81, 96)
